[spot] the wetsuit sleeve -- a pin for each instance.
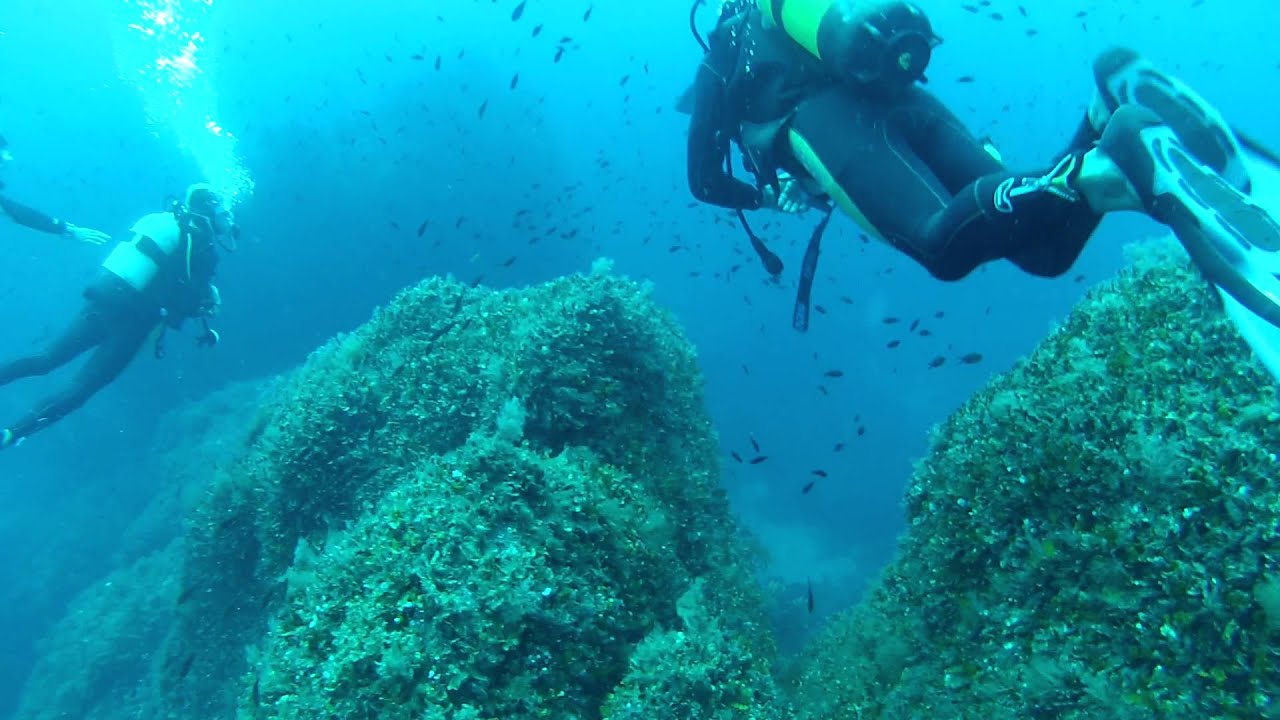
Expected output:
(709, 134)
(31, 217)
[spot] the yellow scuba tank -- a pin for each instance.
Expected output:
(877, 43)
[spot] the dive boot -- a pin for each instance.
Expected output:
(1227, 235)
(1124, 77)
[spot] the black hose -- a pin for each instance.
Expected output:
(693, 26)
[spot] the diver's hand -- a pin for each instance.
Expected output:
(86, 235)
(790, 196)
(213, 303)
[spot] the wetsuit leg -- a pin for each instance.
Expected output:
(87, 329)
(126, 334)
(909, 171)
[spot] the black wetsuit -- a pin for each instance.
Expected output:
(116, 319)
(30, 217)
(923, 182)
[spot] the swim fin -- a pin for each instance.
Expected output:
(1232, 239)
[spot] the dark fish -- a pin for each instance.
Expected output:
(926, 332)
(423, 227)
(734, 454)
(997, 16)
(509, 261)
(437, 62)
(937, 362)
(515, 80)
(483, 106)
(624, 80)
(559, 54)
(810, 584)
(940, 314)
(862, 430)
(819, 473)
(890, 321)
(893, 344)
(587, 15)
(965, 79)
(185, 595)
(758, 459)
(807, 487)
(833, 373)
(515, 14)
(823, 389)
(257, 692)
(821, 310)
(418, 56)
(186, 666)
(838, 447)
(537, 30)
(754, 444)
(846, 299)
(914, 324)
(972, 358)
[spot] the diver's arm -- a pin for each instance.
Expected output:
(709, 133)
(31, 217)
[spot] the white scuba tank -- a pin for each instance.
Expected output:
(136, 261)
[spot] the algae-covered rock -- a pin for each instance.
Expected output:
(98, 661)
(1094, 535)
(477, 505)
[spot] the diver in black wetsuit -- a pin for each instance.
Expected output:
(37, 220)
(855, 128)
(155, 281)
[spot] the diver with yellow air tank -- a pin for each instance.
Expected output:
(825, 100)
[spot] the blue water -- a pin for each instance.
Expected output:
(338, 145)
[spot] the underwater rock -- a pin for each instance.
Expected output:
(478, 504)
(1093, 535)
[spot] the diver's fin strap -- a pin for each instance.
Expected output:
(800, 314)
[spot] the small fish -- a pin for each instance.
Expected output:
(890, 321)
(838, 447)
(914, 324)
(833, 373)
(515, 80)
(423, 227)
(186, 666)
(437, 62)
(483, 106)
(965, 79)
(185, 595)
(940, 314)
(893, 344)
(625, 79)
(509, 261)
(754, 444)
(734, 454)
(257, 692)
(515, 14)
(757, 459)
(925, 332)
(807, 487)
(819, 473)
(862, 430)
(559, 54)
(587, 15)
(937, 362)
(537, 30)
(810, 584)
(972, 358)
(821, 310)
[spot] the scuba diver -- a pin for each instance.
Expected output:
(37, 220)
(824, 99)
(153, 282)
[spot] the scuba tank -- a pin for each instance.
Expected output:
(879, 44)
